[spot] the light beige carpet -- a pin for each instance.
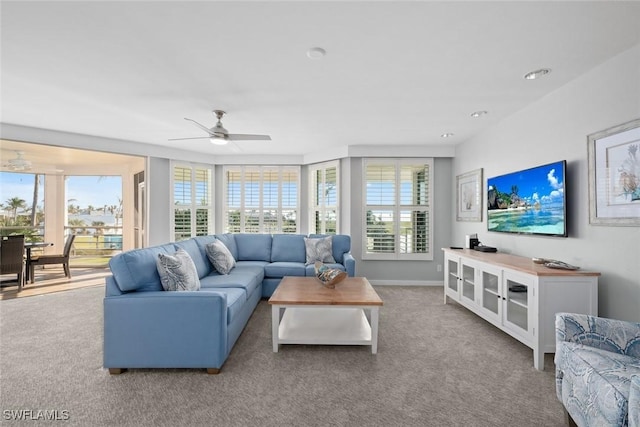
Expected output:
(437, 365)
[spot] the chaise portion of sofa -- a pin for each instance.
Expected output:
(148, 327)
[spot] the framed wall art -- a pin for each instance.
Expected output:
(469, 196)
(614, 175)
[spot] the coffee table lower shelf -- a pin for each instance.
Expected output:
(324, 325)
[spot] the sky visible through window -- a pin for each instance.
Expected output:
(96, 191)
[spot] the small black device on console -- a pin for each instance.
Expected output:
(483, 248)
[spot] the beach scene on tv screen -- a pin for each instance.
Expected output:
(528, 201)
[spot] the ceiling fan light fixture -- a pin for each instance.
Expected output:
(218, 141)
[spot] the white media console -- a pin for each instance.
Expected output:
(517, 295)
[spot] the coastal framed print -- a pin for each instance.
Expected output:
(469, 196)
(614, 175)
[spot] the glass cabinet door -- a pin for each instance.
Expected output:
(491, 296)
(452, 275)
(468, 281)
(518, 304)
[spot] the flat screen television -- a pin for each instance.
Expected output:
(530, 201)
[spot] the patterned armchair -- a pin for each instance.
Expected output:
(598, 370)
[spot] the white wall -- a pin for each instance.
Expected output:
(556, 128)
(158, 184)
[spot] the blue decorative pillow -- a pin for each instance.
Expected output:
(220, 257)
(319, 249)
(177, 272)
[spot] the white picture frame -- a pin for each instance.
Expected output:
(614, 175)
(469, 196)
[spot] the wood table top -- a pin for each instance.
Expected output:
(309, 291)
(515, 262)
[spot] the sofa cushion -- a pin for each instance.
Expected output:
(220, 257)
(288, 248)
(595, 383)
(318, 249)
(197, 255)
(253, 247)
(229, 241)
(202, 242)
(136, 270)
(236, 298)
(340, 245)
(281, 269)
(248, 278)
(177, 272)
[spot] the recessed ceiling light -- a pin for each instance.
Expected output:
(479, 113)
(316, 53)
(446, 135)
(537, 74)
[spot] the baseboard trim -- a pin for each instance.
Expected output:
(406, 282)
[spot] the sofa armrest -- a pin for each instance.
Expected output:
(617, 336)
(349, 263)
(165, 330)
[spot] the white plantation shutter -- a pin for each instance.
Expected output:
(261, 199)
(192, 201)
(290, 200)
(323, 203)
(233, 201)
(398, 210)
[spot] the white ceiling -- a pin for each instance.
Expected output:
(399, 73)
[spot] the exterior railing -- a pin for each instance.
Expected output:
(92, 247)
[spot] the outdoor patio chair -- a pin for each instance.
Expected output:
(62, 258)
(12, 257)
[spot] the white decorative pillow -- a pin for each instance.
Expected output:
(178, 272)
(319, 249)
(220, 257)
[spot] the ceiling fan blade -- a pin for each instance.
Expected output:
(235, 148)
(201, 126)
(246, 137)
(197, 137)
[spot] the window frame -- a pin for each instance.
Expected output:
(261, 169)
(323, 207)
(193, 205)
(397, 208)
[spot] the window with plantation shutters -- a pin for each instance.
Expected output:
(192, 201)
(261, 199)
(398, 209)
(324, 198)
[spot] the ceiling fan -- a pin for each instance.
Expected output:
(219, 135)
(20, 164)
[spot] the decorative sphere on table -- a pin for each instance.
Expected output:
(329, 277)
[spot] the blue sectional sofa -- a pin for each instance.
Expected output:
(148, 327)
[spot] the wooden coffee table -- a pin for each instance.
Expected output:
(314, 314)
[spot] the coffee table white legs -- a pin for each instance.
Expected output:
(347, 325)
(275, 323)
(374, 330)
